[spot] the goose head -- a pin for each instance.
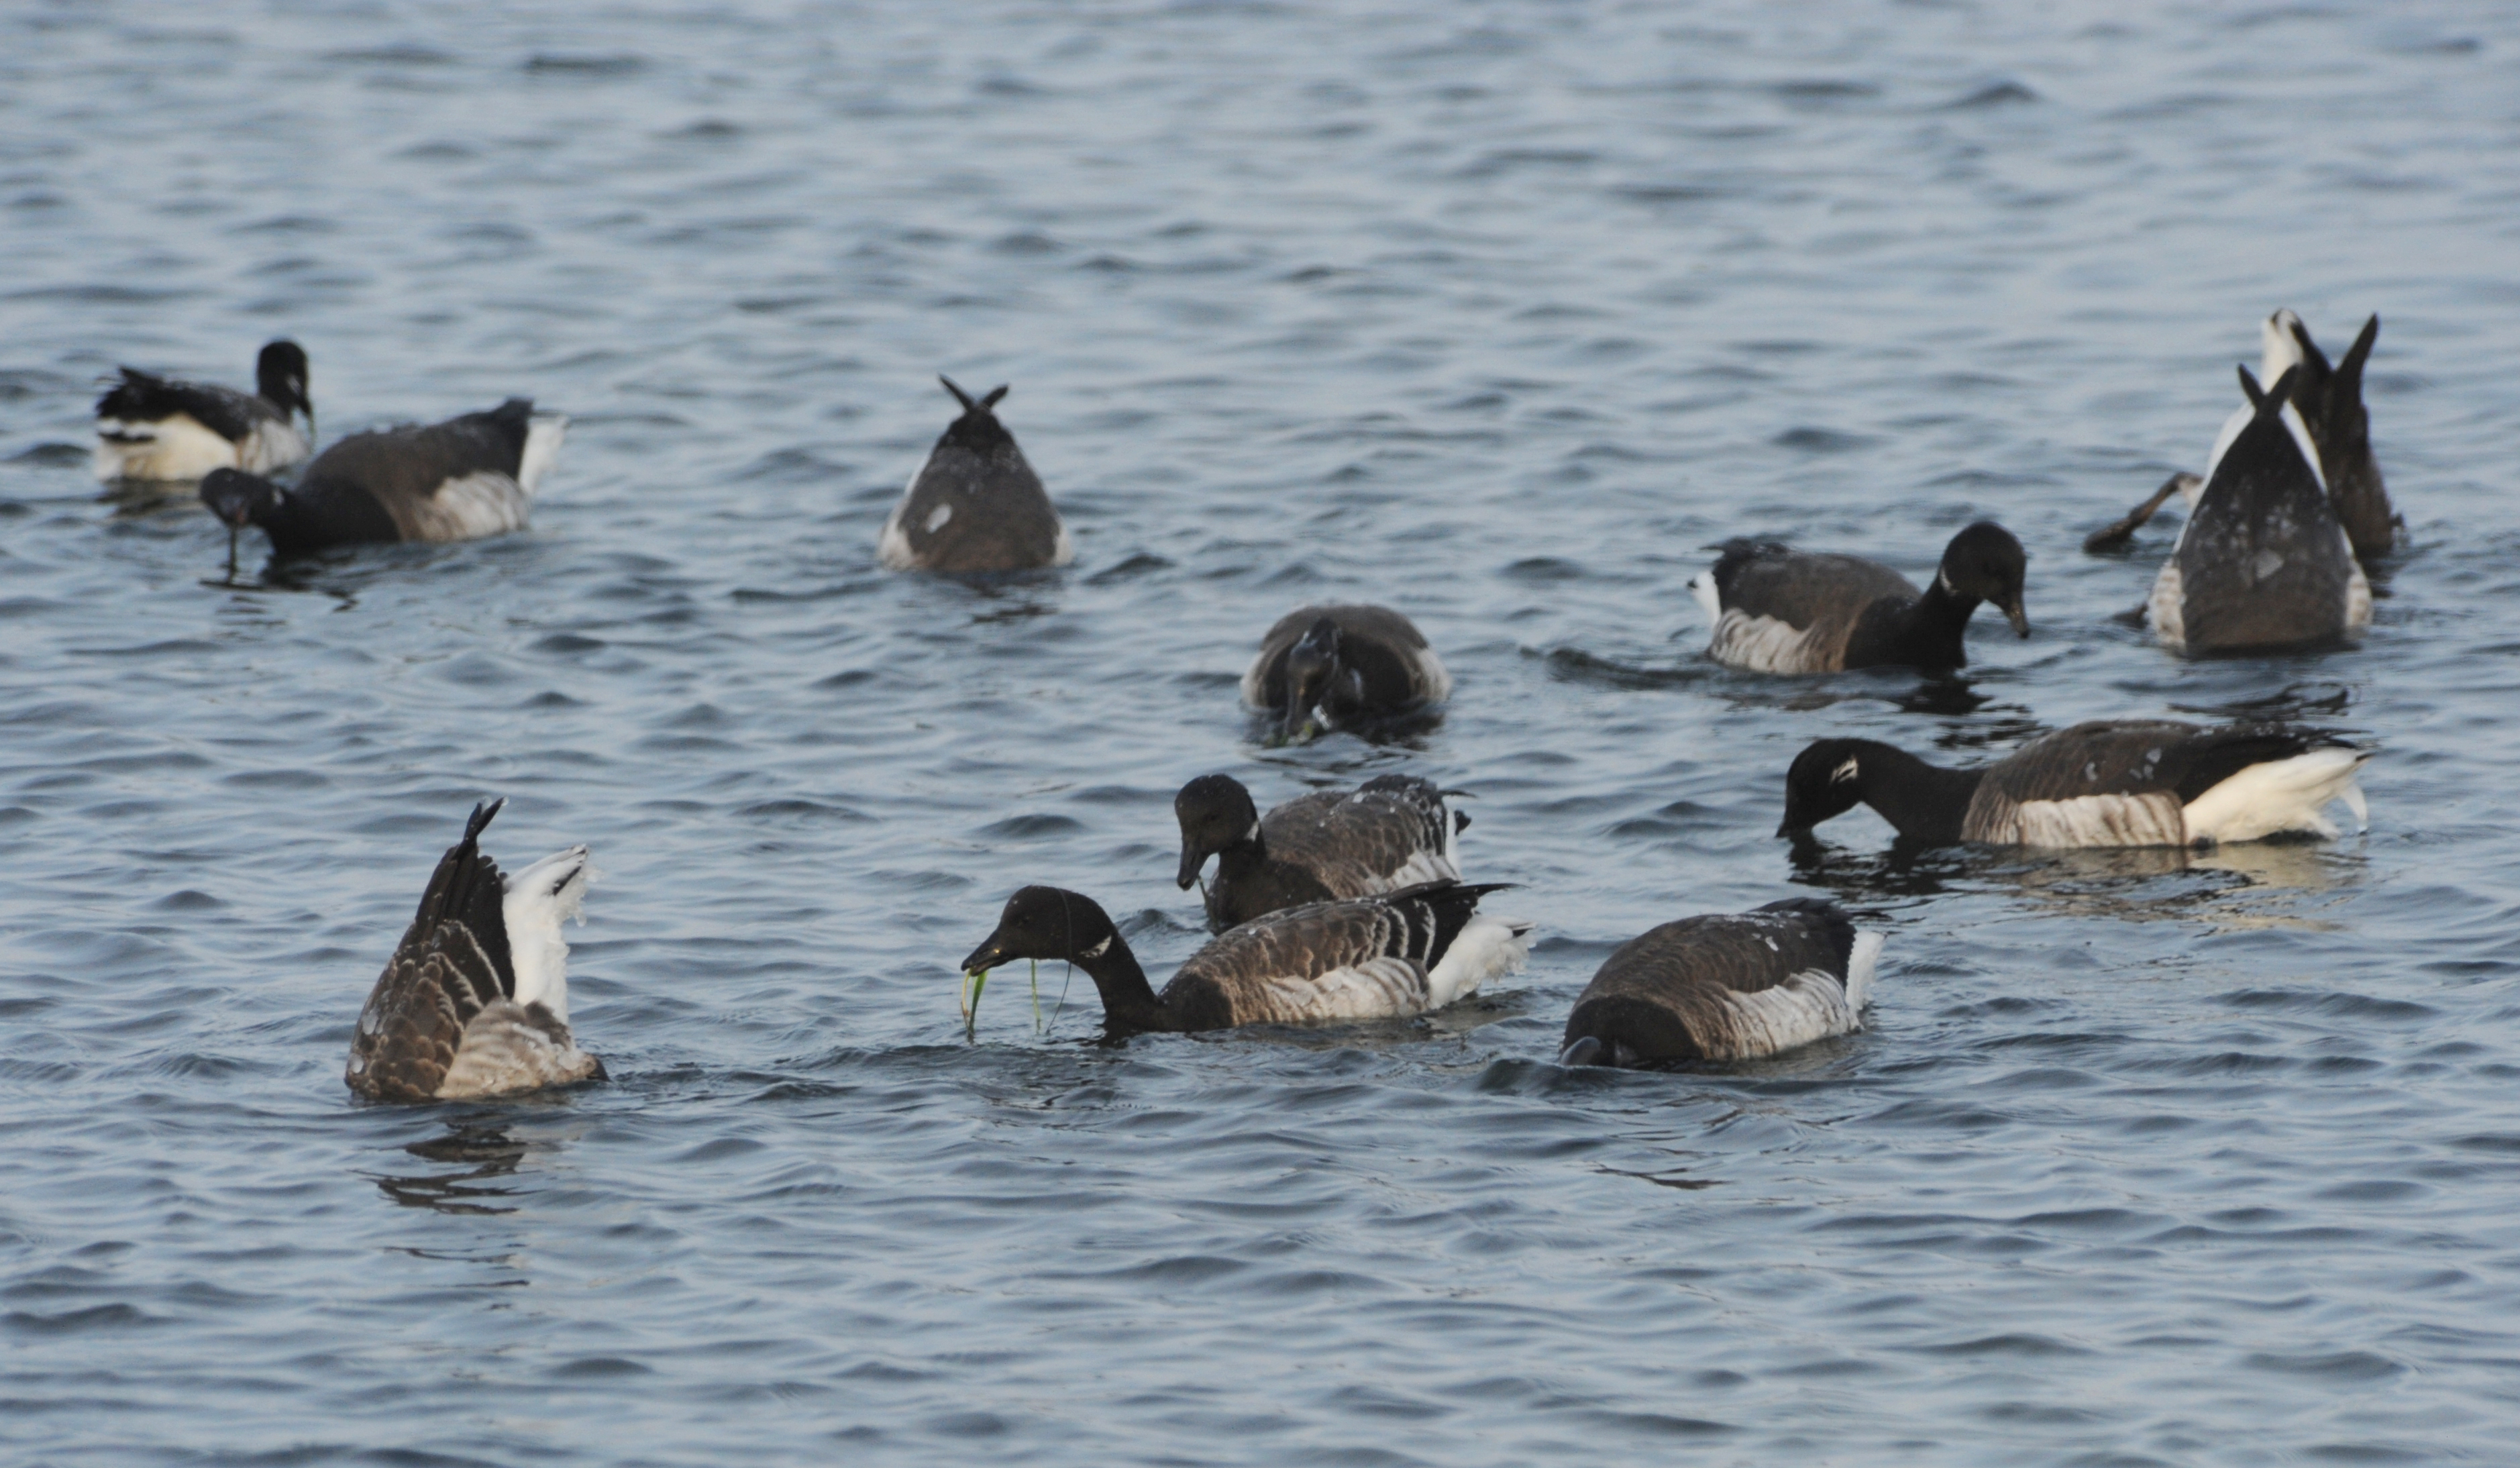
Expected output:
(1825, 779)
(1312, 668)
(280, 376)
(1985, 563)
(1215, 811)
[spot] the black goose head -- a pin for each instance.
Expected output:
(240, 499)
(1045, 922)
(1824, 781)
(1985, 563)
(978, 428)
(1312, 665)
(1215, 811)
(280, 376)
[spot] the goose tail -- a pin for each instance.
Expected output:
(538, 900)
(1860, 965)
(1487, 949)
(543, 436)
(1703, 586)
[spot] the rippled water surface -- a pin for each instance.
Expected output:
(1498, 313)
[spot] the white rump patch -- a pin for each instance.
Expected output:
(1430, 673)
(1762, 644)
(1703, 586)
(2281, 796)
(1860, 964)
(1489, 948)
(468, 508)
(538, 899)
(543, 436)
(2358, 589)
(1062, 549)
(169, 449)
(2283, 350)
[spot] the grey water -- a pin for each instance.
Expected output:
(1498, 313)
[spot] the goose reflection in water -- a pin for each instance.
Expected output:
(479, 1152)
(2249, 884)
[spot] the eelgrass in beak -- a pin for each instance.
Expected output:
(972, 983)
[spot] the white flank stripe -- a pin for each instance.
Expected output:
(1808, 1005)
(469, 507)
(1762, 644)
(2147, 820)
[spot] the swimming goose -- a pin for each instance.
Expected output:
(2262, 562)
(975, 505)
(2330, 403)
(1392, 832)
(1374, 958)
(153, 427)
(474, 1000)
(2113, 782)
(1352, 664)
(1782, 610)
(1725, 986)
(466, 477)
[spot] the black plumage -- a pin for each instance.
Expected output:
(1351, 664)
(2329, 400)
(1393, 831)
(1722, 987)
(466, 477)
(1782, 610)
(1369, 958)
(452, 963)
(2263, 562)
(975, 506)
(135, 416)
(2108, 782)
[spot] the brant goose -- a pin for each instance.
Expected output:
(1725, 986)
(1352, 664)
(474, 1000)
(1782, 610)
(1371, 957)
(2329, 400)
(466, 477)
(1395, 831)
(2262, 562)
(153, 427)
(2113, 782)
(975, 505)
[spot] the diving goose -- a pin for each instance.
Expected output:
(975, 505)
(461, 479)
(1782, 610)
(1351, 664)
(1394, 831)
(474, 1000)
(1725, 986)
(1373, 957)
(153, 427)
(2329, 400)
(2113, 782)
(2262, 562)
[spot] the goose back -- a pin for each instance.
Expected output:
(1725, 986)
(444, 1021)
(2157, 782)
(1393, 831)
(461, 479)
(1365, 958)
(1385, 665)
(1782, 610)
(164, 429)
(2262, 561)
(975, 505)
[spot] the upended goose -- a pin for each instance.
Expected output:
(474, 1000)
(975, 506)
(2113, 782)
(153, 427)
(1352, 664)
(1725, 986)
(1374, 958)
(466, 477)
(2330, 402)
(1782, 610)
(1394, 831)
(2261, 563)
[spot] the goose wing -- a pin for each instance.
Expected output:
(1802, 588)
(1728, 986)
(1394, 658)
(2110, 782)
(452, 963)
(144, 398)
(1392, 832)
(1364, 958)
(452, 480)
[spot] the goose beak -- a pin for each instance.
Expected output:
(987, 956)
(1584, 1051)
(1193, 859)
(2020, 619)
